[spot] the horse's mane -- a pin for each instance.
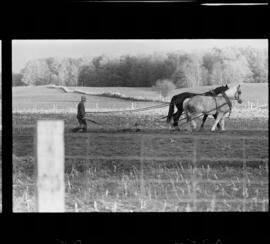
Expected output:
(231, 91)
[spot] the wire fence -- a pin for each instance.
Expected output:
(242, 182)
(192, 170)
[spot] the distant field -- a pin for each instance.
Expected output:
(253, 92)
(38, 99)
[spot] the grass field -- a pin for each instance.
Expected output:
(133, 162)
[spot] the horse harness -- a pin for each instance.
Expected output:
(228, 102)
(226, 99)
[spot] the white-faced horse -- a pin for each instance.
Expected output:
(206, 105)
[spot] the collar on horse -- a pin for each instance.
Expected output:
(228, 102)
(226, 99)
(214, 97)
(214, 94)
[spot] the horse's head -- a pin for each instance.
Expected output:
(235, 93)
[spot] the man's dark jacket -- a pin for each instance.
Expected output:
(81, 111)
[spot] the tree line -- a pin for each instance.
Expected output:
(213, 67)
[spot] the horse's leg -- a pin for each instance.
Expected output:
(218, 118)
(190, 121)
(222, 123)
(193, 123)
(176, 117)
(218, 125)
(175, 122)
(187, 117)
(203, 121)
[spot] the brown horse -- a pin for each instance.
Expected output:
(220, 105)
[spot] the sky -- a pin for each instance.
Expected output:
(25, 50)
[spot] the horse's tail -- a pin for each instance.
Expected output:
(171, 110)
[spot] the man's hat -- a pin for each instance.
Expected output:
(83, 98)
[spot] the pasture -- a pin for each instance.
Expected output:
(133, 162)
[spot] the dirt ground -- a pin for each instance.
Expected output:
(151, 168)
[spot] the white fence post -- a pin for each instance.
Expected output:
(50, 155)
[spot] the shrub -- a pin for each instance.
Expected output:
(164, 86)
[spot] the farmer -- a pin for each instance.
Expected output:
(81, 116)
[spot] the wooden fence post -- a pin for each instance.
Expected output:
(50, 158)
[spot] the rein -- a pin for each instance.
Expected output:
(162, 105)
(200, 115)
(214, 97)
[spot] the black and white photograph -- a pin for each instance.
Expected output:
(140, 125)
(134, 122)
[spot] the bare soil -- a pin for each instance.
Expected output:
(151, 168)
